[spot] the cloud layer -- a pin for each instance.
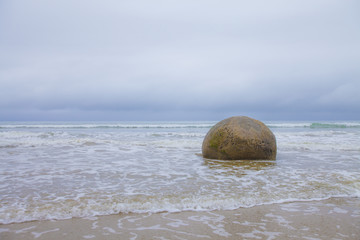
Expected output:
(179, 60)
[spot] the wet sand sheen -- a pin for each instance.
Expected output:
(335, 218)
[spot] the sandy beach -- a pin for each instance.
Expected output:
(336, 218)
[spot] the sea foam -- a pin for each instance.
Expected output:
(58, 171)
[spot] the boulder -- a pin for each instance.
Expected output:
(239, 138)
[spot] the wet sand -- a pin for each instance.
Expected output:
(336, 218)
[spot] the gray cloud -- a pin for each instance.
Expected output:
(120, 60)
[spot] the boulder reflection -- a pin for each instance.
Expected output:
(238, 167)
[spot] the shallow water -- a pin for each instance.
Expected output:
(335, 218)
(65, 170)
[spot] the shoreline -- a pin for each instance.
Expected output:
(324, 219)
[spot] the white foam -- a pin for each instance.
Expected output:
(89, 236)
(39, 234)
(53, 172)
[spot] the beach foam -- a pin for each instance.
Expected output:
(335, 218)
(58, 172)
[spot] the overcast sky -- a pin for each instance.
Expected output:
(179, 60)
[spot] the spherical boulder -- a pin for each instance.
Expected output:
(239, 138)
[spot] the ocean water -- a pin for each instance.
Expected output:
(64, 170)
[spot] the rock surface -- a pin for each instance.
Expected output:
(239, 138)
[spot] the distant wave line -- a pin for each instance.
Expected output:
(103, 127)
(315, 125)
